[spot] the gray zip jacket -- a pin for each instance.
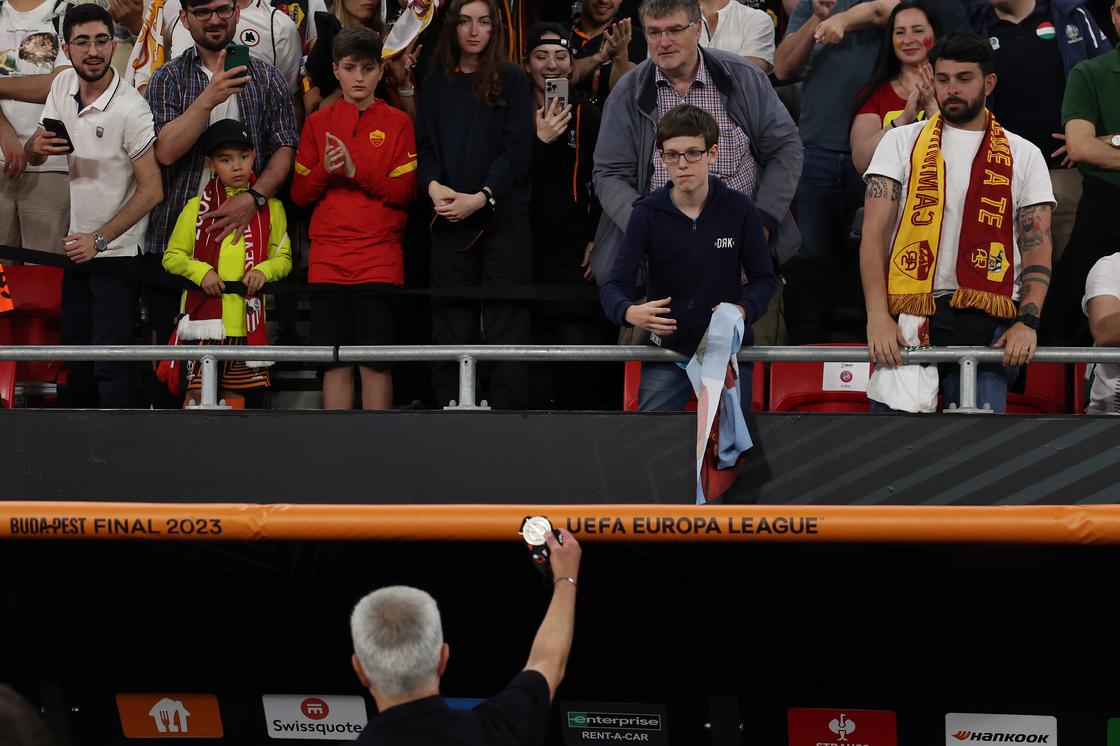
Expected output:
(622, 156)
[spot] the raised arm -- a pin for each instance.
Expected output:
(880, 208)
(856, 18)
(796, 48)
(549, 655)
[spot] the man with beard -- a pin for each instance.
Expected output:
(604, 47)
(965, 258)
(114, 182)
(187, 94)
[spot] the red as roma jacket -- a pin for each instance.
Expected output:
(358, 224)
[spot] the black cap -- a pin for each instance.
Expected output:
(540, 29)
(224, 132)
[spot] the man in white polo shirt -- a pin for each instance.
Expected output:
(114, 183)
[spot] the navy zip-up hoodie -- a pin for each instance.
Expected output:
(699, 264)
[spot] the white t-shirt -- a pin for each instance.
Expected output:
(270, 34)
(1030, 185)
(29, 45)
(1104, 396)
(747, 32)
(108, 135)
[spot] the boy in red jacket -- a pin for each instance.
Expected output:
(357, 162)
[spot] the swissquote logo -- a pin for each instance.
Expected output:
(970, 728)
(812, 726)
(314, 717)
(169, 715)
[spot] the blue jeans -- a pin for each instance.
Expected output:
(829, 193)
(665, 387)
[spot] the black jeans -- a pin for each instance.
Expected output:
(503, 257)
(163, 312)
(98, 309)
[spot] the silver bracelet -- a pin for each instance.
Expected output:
(570, 580)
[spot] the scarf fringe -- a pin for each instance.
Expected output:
(203, 329)
(993, 304)
(915, 304)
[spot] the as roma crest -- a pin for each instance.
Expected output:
(915, 260)
(377, 137)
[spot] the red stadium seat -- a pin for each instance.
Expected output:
(633, 375)
(1046, 391)
(799, 387)
(37, 294)
(1080, 390)
(7, 384)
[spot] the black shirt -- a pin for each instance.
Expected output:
(516, 716)
(1027, 99)
(563, 210)
(597, 85)
(466, 145)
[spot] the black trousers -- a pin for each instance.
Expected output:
(98, 309)
(163, 311)
(1096, 234)
(503, 257)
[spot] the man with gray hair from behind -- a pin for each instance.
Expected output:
(400, 656)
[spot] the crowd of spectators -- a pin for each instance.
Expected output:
(453, 164)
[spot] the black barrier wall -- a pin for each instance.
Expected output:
(550, 458)
(722, 635)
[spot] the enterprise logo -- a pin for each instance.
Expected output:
(615, 720)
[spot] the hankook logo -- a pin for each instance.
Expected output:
(996, 737)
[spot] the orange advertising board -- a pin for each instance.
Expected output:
(163, 715)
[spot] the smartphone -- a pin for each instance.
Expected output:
(555, 88)
(59, 130)
(236, 56)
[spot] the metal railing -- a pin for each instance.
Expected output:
(968, 358)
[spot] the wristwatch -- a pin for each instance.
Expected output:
(1029, 320)
(99, 243)
(259, 198)
(1115, 141)
(493, 203)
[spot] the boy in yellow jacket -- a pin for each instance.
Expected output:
(262, 253)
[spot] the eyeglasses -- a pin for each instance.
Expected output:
(205, 14)
(670, 157)
(83, 43)
(673, 32)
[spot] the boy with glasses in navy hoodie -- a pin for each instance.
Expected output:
(704, 246)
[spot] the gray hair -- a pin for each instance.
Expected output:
(397, 637)
(662, 8)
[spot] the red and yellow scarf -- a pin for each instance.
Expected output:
(205, 311)
(985, 250)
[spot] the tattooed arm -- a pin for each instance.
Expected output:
(1032, 225)
(880, 209)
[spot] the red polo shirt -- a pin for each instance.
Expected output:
(358, 223)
